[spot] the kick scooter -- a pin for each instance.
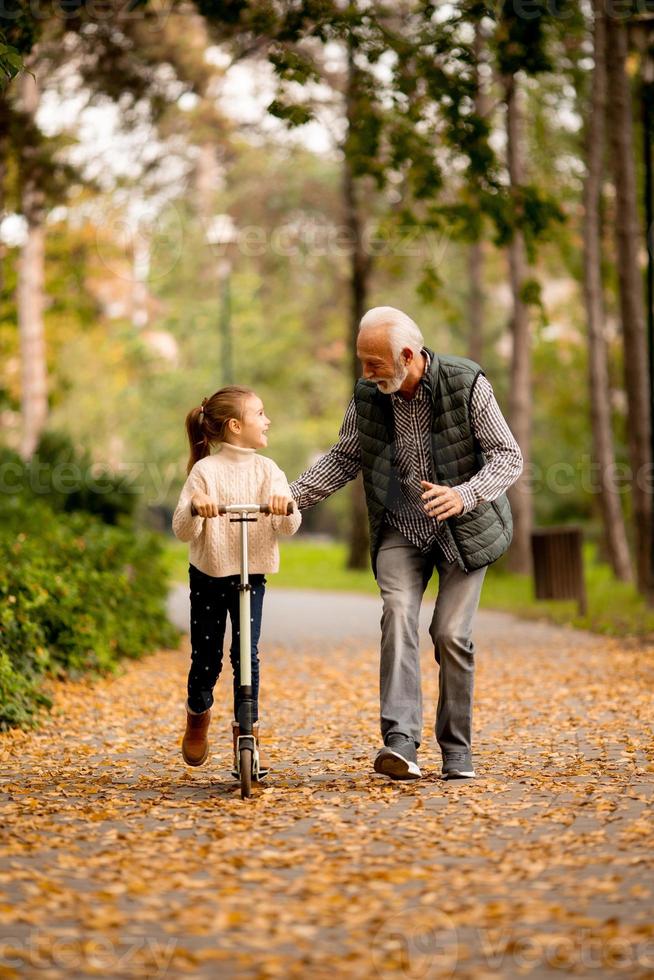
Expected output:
(247, 754)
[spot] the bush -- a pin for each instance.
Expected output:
(67, 480)
(76, 595)
(19, 695)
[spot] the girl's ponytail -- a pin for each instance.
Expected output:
(197, 437)
(208, 423)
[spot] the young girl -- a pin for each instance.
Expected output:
(232, 420)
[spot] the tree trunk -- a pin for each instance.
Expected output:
(476, 302)
(476, 252)
(4, 150)
(647, 123)
(615, 535)
(30, 290)
(207, 179)
(207, 182)
(358, 289)
(520, 402)
(631, 293)
(140, 273)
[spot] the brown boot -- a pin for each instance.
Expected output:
(195, 744)
(236, 731)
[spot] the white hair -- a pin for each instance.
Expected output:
(402, 331)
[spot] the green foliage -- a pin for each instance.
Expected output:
(534, 211)
(228, 12)
(538, 212)
(530, 292)
(614, 608)
(79, 587)
(430, 284)
(37, 160)
(11, 62)
(20, 695)
(19, 30)
(292, 113)
(521, 41)
(67, 480)
(71, 260)
(406, 122)
(94, 489)
(75, 596)
(292, 67)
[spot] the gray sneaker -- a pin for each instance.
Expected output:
(398, 758)
(458, 765)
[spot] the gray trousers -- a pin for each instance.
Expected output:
(403, 573)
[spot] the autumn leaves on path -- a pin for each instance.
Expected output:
(119, 861)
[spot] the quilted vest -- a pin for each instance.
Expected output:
(479, 537)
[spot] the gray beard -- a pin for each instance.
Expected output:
(391, 385)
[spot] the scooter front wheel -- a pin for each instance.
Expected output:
(245, 765)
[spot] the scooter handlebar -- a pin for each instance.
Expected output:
(251, 508)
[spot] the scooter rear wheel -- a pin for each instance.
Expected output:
(245, 765)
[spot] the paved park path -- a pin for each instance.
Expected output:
(119, 861)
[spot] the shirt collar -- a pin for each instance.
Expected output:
(422, 384)
(427, 365)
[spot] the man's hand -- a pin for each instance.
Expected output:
(203, 506)
(442, 502)
(279, 504)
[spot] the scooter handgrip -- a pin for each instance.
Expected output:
(265, 509)
(222, 509)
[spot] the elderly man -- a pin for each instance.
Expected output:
(437, 457)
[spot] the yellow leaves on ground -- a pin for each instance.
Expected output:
(119, 861)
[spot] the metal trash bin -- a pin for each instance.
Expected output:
(558, 564)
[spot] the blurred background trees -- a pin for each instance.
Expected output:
(218, 188)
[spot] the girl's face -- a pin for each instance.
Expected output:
(250, 431)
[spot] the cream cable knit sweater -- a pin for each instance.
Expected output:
(233, 475)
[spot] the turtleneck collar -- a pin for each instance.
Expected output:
(235, 454)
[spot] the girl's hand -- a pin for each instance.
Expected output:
(279, 504)
(203, 506)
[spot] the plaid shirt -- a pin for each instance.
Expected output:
(413, 457)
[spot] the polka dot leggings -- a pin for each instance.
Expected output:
(211, 600)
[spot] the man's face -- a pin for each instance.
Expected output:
(377, 361)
